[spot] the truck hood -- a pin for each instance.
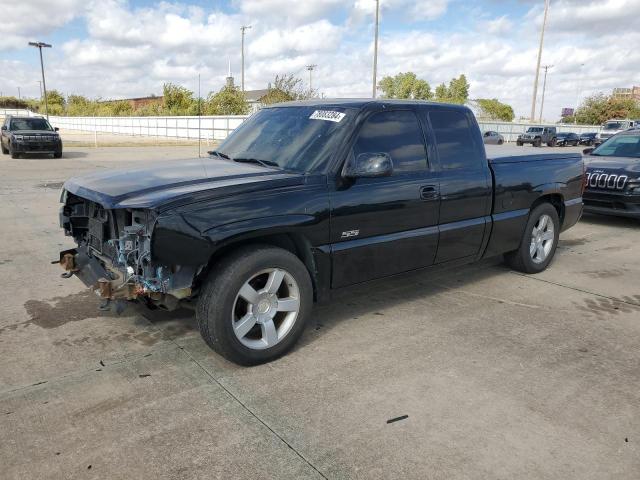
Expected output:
(174, 183)
(618, 165)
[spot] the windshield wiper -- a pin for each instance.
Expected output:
(219, 154)
(264, 163)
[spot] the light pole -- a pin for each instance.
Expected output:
(310, 68)
(544, 88)
(19, 96)
(375, 50)
(243, 29)
(575, 111)
(535, 82)
(40, 46)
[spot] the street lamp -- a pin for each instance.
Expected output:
(375, 50)
(544, 88)
(535, 82)
(243, 29)
(40, 46)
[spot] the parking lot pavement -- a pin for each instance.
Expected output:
(501, 375)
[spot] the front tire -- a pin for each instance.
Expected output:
(254, 305)
(539, 241)
(519, 143)
(12, 152)
(57, 154)
(537, 142)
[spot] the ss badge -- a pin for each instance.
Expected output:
(350, 234)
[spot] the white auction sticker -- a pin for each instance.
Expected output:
(328, 115)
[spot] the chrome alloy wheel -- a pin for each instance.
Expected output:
(266, 308)
(542, 238)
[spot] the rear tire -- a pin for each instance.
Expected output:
(539, 241)
(255, 303)
(500, 142)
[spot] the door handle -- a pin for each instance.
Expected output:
(429, 192)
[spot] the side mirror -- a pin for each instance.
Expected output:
(369, 165)
(56, 129)
(587, 151)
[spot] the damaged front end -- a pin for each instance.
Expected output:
(114, 257)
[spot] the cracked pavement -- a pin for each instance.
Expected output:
(499, 375)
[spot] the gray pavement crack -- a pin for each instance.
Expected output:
(576, 289)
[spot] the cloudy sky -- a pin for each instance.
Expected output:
(120, 48)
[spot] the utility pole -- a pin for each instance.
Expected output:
(375, 51)
(310, 68)
(19, 96)
(40, 46)
(243, 29)
(544, 88)
(535, 83)
(575, 111)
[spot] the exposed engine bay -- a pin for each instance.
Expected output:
(114, 255)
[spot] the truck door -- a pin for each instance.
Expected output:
(386, 225)
(465, 183)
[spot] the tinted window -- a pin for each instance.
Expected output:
(454, 141)
(294, 138)
(30, 124)
(396, 133)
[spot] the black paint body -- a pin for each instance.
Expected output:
(403, 222)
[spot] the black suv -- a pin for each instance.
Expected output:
(613, 176)
(29, 135)
(537, 136)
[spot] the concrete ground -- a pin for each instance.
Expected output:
(501, 375)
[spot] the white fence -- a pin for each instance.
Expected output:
(219, 127)
(210, 128)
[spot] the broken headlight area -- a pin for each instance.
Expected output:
(114, 255)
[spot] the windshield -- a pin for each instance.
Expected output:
(534, 129)
(30, 124)
(616, 126)
(620, 146)
(292, 138)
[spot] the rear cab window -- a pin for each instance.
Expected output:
(455, 144)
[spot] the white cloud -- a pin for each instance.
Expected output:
(25, 21)
(132, 51)
(285, 10)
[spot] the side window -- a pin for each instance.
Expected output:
(396, 133)
(454, 142)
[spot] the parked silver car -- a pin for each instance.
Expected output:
(492, 138)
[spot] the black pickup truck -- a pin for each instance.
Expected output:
(305, 198)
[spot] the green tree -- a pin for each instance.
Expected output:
(178, 100)
(228, 101)
(287, 88)
(597, 109)
(456, 92)
(492, 109)
(55, 102)
(405, 85)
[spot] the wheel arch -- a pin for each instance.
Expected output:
(556, 199)
(293, 242)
